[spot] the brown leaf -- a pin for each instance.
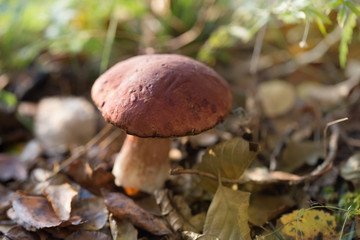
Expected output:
(5, 199)
(17, 232)
(88, 235)
(266, 207)
(125, 208)
(122, 229)
(11, 168)
(93, 211)
(60, 197)
(92, 180)
(34, 212)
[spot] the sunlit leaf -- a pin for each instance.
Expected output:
(321, 25)
(341, 17)
(227, 217)
(352, 7)
(60, 197)
(308, 224)
(228, 159)
(346, 38)
(34, 212)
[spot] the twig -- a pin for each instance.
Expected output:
(81, 150)
(178, 171)
(325, 133)
(322, 168)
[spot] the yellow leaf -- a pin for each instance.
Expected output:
(227, 217)
(229, 159)
(308, 224)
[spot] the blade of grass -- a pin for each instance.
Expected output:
(109, 41)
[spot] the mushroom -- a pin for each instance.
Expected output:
(154, 98)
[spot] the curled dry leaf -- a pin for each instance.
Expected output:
(228, 159)
(125, 208)
(93, 211)
(122, 229)
(34, 212)
(227, 217)
(11, 168)
(178, 213)
(60, 197)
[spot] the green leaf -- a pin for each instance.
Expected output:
(318, 14)
(7, 99)
(341, 17)
(346, 38)
(227, 217)
(228, 159)
(352, 7)
(336, 3)
(321, 25)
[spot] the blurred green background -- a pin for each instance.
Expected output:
(107, 31)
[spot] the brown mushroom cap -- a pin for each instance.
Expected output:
(162, 95)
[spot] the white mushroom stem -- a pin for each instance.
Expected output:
(142, 163)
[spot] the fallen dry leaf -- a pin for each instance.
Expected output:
(125, 208)
(93, 211)
(227, 217)
(88, 235)
(92, 180)
(60, 197)
(34, 212)
(17, 232)
(11, 168)
(266, 207)
(312, 224)
(122, 229)
(6, 196)
(296, 154)
(178, 213)
(228, 159)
